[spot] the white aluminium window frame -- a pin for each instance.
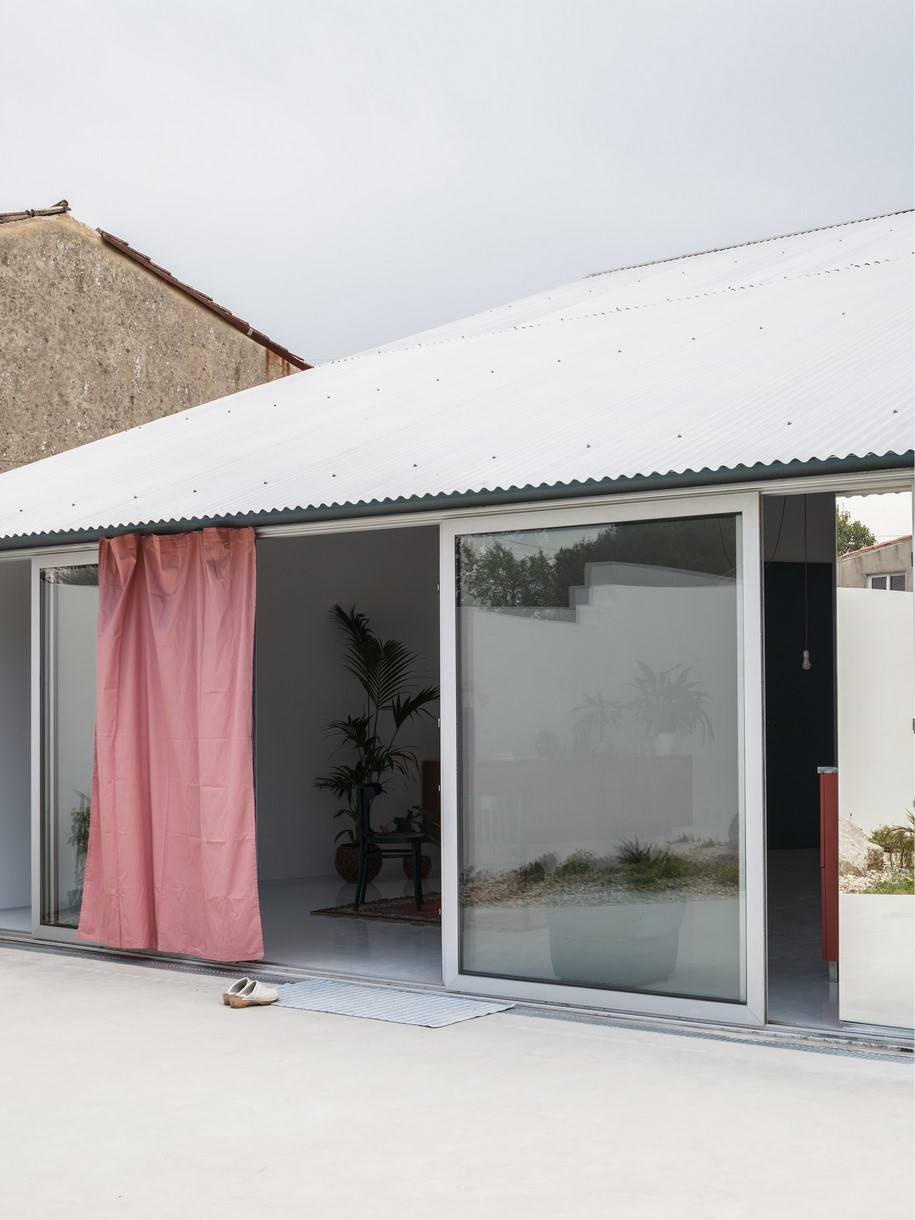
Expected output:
(747, 507)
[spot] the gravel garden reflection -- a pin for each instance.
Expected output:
(616, 921)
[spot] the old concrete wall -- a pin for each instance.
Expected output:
(91, 343)
(854, 570)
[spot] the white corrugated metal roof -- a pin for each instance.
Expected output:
(792, 349)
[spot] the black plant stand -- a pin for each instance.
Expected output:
(395, 845)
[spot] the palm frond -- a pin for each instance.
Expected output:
(406, 708)
(388, 674)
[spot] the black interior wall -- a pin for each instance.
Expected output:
(800, 704)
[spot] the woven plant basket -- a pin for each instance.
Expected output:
(346, 862)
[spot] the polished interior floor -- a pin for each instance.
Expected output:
(16, 919)
(362, 947)
(800, 990)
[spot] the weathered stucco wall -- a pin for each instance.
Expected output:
(854, 570)
(91, 343)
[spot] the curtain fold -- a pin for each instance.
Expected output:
(171, 863)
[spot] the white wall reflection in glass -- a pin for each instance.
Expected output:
(601, 804)
(69, 610)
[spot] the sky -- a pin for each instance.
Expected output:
(343, 173)
(887, 515)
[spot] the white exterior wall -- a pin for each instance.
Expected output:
(874, 646)
(875, 687)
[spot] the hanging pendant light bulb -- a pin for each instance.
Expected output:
(805, 664)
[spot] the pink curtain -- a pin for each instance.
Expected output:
(171, 862)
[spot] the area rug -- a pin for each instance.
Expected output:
(393, 910)
(429, 1009)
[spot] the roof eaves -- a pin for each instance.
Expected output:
(144, 261)
(484, 498)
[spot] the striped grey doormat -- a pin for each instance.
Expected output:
(384, 1003)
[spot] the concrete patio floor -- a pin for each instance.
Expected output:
(133, 1092)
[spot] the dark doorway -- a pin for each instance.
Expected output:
(800, 704)
(799, 597)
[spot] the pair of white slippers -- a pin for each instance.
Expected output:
(245, 993)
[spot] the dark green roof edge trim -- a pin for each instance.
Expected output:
(488, 498)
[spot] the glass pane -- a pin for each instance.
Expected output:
(897, 582)
(601, 802)
(69, 609)
(878, 582)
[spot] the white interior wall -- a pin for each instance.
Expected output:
(390, 575)
(15, 759)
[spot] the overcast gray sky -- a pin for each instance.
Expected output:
(346, 172)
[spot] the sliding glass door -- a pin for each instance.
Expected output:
(608, 846)
(67, 609)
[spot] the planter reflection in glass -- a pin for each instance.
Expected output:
(624, 944)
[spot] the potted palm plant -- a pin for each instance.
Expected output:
(595, 716)
(667, 703)
(391, 699)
